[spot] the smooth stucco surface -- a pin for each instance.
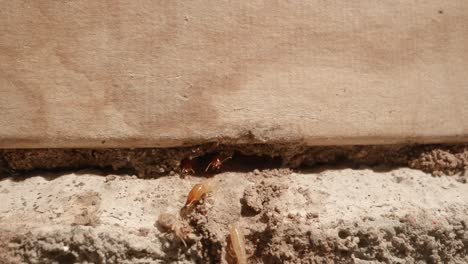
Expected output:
(162, 73)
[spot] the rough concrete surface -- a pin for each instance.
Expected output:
(323, 216)
(167, 73)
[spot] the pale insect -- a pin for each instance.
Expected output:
(198, 191)
(237, 243)
(172, 223)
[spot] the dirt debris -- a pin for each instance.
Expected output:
(325, 216)
(398, 241)
(257, 197)
(88, 205)
(155, 162)
(91, 245)
(442, 160)
(408, 239)
(8, 247)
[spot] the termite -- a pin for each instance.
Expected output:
(237, 243)
(172, 223)
(216, 163)
(186, 166)
(198, 191)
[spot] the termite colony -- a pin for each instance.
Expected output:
(178, 225)
(211, 163)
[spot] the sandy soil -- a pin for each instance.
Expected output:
(322, 216)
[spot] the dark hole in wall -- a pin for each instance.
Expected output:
(344, 234)
(338, 160)
(157, 162)
(236, 162)
(244, 163)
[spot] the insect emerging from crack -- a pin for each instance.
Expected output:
(186, 166)
(216, 163)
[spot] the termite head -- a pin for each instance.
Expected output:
(198, 191)
(182, 232)
(186, 166)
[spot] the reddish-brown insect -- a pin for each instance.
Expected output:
(198, 191)
(216, 163)
(186, 166)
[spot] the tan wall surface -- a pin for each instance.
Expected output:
(162, 73)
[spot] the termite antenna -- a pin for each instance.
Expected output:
(230, 157)
(208, 167)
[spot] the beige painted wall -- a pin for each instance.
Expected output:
(162, 73)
